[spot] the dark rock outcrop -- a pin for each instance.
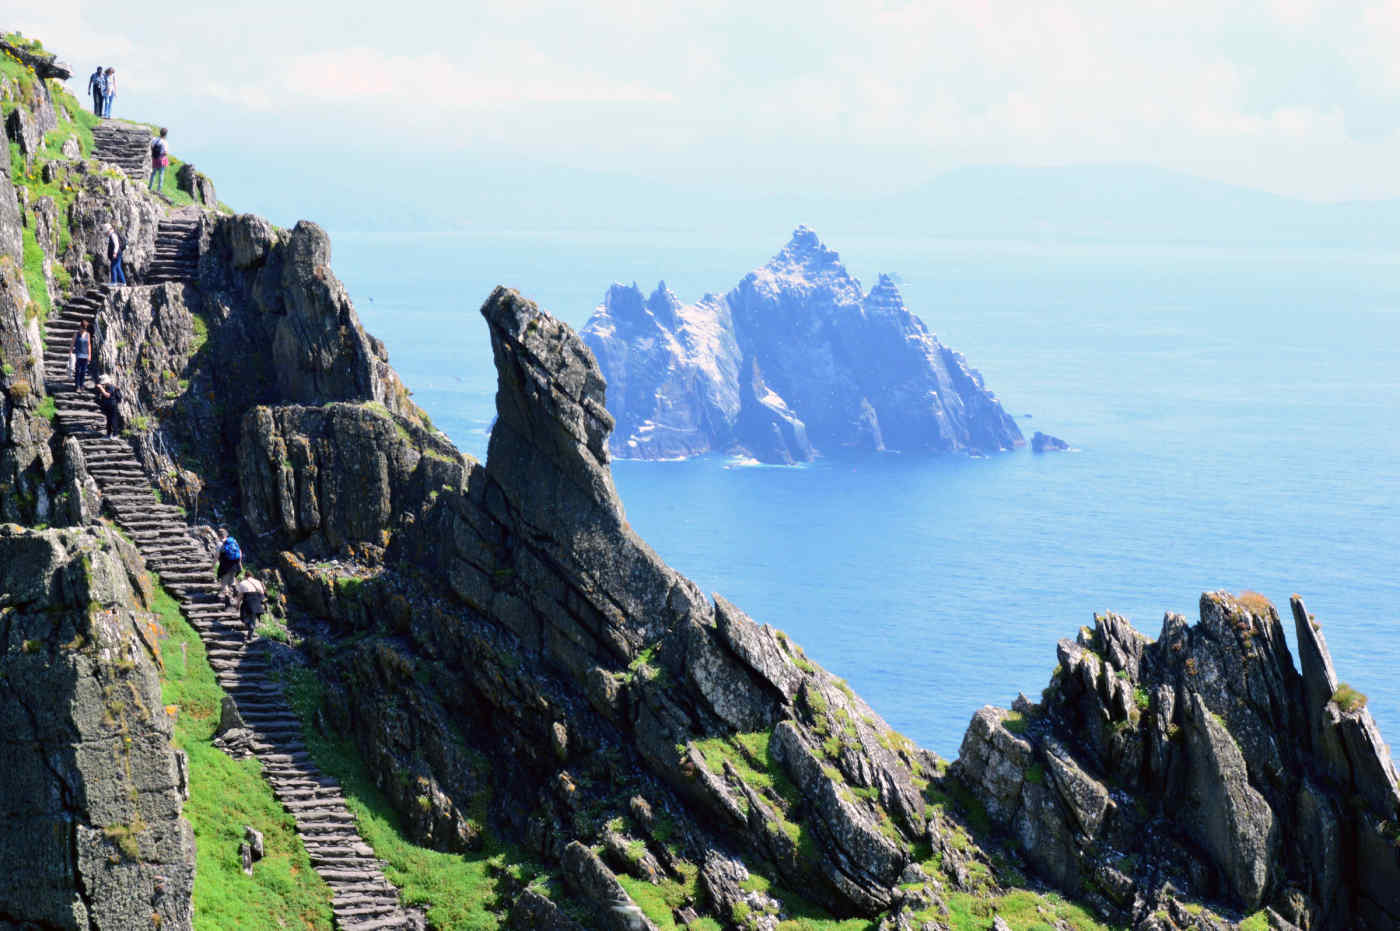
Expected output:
(795, 357)
(94, 837)
(45, 64)
(1045, 443)
(1202, 763)
(196, 184)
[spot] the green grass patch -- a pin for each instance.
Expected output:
(1259, 921)
(459, 891)
(34, 274)
(1348, 698)
(751, 758)
(659, 902)
(1021, 909)
(226, 794)
(47, 409)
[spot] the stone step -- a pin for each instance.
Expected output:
(115, 468)
(360, 912)
(366, 889)
(173, 556)
(351, 875)
(287, 762)
(315, 812)
(173, 575)
(399, 921)
(268, 721)
(300, 786)
(359, 899)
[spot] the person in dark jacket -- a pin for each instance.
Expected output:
(109, 398)
(115, 248)
(97, 86)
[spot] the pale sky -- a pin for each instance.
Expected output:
(1289, 96)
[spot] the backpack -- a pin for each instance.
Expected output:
(230, 550)
(157, 149)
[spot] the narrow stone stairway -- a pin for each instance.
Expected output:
(363, 900)
(177, 251)
(125, 145)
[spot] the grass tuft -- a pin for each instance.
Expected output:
(1348, 698)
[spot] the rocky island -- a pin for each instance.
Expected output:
(481, 700)
(796, 359)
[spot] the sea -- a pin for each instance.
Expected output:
(1233, 414)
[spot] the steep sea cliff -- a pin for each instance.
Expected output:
(516, 695)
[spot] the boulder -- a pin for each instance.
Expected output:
(21, 128)
(196, 184)
(590, 879)
(1045, 443)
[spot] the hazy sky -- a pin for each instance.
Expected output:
(1290, 96)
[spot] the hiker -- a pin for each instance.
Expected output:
(81, 352)
(252, 599)
(109, 92)
(230, 563)
(160, 157)
(97, 86)
(115, 248)
(109, 399)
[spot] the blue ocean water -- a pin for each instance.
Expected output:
(1234, 416)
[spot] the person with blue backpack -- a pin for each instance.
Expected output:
(230, 564)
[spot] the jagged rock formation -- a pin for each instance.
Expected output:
(1045, 443)
(93, 789)
(1201, 763)
(795, 357)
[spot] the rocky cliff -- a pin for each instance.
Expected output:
(93, 836)
(528, 685)
(796, 358)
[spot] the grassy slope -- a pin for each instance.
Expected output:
(225, 795)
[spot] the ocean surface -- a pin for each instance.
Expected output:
(1234, 414)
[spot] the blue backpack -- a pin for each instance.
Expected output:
(230, 550)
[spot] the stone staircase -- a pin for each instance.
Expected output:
(363, 900)
(177, 251)
(126, 145)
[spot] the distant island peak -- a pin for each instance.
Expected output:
(795, 360)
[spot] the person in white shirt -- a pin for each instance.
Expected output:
(252, 599)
